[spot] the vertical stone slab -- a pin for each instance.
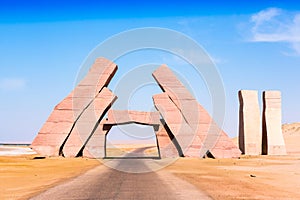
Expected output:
(272, 141)
(250, 134)
(61, 121)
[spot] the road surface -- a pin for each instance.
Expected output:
(106, 183)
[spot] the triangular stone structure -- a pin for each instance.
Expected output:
(196, 132)
(72, 112)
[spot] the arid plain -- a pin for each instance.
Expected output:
(250, 177)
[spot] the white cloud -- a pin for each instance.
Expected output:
(276, 25)
(12, 84)
(265, 15)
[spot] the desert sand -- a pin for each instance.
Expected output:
(139, 150)
(23, 176)
(291, 134)
(246, 178)
(256, 177)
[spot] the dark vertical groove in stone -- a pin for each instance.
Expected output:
(80, 153)
(157, 144)
(173, 138)
(264, 128)
(111, 76)
(96, 125)
(61, 153)
(241, 124)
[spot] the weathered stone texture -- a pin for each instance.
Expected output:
(250, 132)
(99, 75)
(191, 124)
(75, 127)
(95, 147)
(129, 116)
(166, 145)
(87, 122)
(60, 122)
(182, 134)
(214, 139)
(273, 142)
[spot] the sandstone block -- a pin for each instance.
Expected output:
(62, 116)
(250, 133)
(66, 113)
(95, 147)
(194, 119)
(56, 127)
(129, 116)
(175, 123)
(87, 123)
(272, 141)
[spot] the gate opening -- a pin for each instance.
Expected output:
(131, 141)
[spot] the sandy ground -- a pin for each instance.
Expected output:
(15, 150)
(260, 177)
(246, 178)
(291, 134)
(23, 176)
(136, 150)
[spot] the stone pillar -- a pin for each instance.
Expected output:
(272, 140)
(250, 135)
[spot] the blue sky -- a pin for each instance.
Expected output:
(254, 44)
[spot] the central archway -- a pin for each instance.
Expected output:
(131, 140)
(131, 134)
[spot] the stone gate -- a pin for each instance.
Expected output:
(78, 127)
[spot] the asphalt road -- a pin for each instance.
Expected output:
(105, 183)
